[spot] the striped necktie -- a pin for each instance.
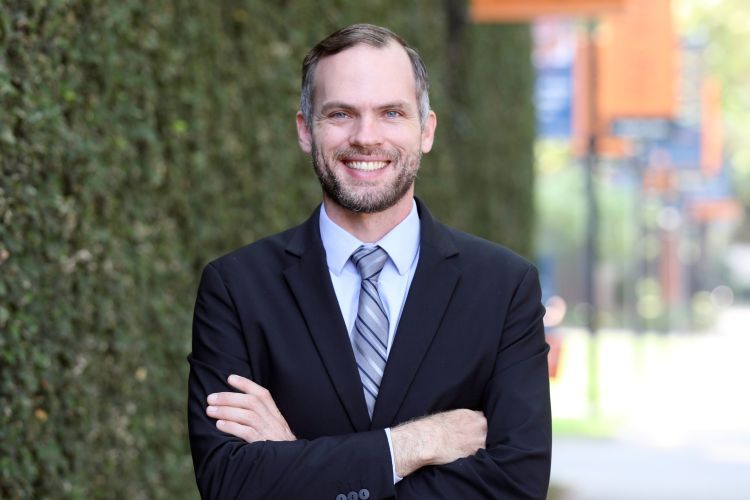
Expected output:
(370, 336)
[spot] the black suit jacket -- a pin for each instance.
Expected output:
(470, 336)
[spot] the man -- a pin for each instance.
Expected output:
(370, 352)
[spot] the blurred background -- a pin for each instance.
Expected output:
(641, 236)
(606, 140)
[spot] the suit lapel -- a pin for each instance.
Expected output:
(430, 292)
(311, 285)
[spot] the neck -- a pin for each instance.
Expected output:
(369, 228)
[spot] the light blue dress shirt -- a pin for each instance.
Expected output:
(402, 245)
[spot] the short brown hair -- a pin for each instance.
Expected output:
(347, 37)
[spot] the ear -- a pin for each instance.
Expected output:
(428, 132)
(304, 134)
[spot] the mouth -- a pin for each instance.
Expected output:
(366, 166)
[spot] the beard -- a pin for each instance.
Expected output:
(363, 196)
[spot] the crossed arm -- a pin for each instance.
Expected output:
(252, 415)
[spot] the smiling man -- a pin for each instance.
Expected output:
(370, 352)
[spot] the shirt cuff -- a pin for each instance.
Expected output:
(396, 477)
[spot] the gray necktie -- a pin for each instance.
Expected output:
(371, 326)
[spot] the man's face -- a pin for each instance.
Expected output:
(366, 140)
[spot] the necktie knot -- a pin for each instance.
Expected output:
(369, 261)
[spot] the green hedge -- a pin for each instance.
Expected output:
(141, 138)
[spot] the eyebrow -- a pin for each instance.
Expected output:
(395, 105)
(328, 106)
(325, 108)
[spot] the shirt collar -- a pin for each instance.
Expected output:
(401, 243)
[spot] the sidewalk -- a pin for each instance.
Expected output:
(681, 407)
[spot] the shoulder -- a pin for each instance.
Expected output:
(481, 257)
(467, 250)
(266, 254)
(475, 247)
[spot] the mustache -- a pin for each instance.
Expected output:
(359, 151)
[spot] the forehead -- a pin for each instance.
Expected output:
(366, 74)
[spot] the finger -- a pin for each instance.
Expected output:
(246, 385)
(241, 416)
(247, 409)
(258, 399)
(254, 430)
(236, 399)
(261, 409)
(241, 431)
(249, 387)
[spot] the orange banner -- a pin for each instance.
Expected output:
(582, 112)
(495, 11)
(637, 62)
(710, 210)
(712, 131)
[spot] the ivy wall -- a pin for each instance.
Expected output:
(140, 139)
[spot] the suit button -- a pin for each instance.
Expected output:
(352, 496)
(341, 496)
(364, 494)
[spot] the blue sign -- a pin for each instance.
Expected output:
(554, 51)
(681, 150)
(553, 97)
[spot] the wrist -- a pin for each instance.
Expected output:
(412, 447)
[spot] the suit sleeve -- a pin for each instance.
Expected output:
(516, 462)
(227, 467)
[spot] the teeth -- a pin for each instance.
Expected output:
(366, 165)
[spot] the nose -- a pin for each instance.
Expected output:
(366, 132)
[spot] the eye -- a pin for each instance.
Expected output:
(338, 115)
(392, 113)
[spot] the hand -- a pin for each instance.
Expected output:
(251, 415)
(438, 439)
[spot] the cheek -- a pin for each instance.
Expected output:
(406, 139)
(332, 136)
(329, 141)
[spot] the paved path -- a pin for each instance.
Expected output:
(622, 470)
(683, 403)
